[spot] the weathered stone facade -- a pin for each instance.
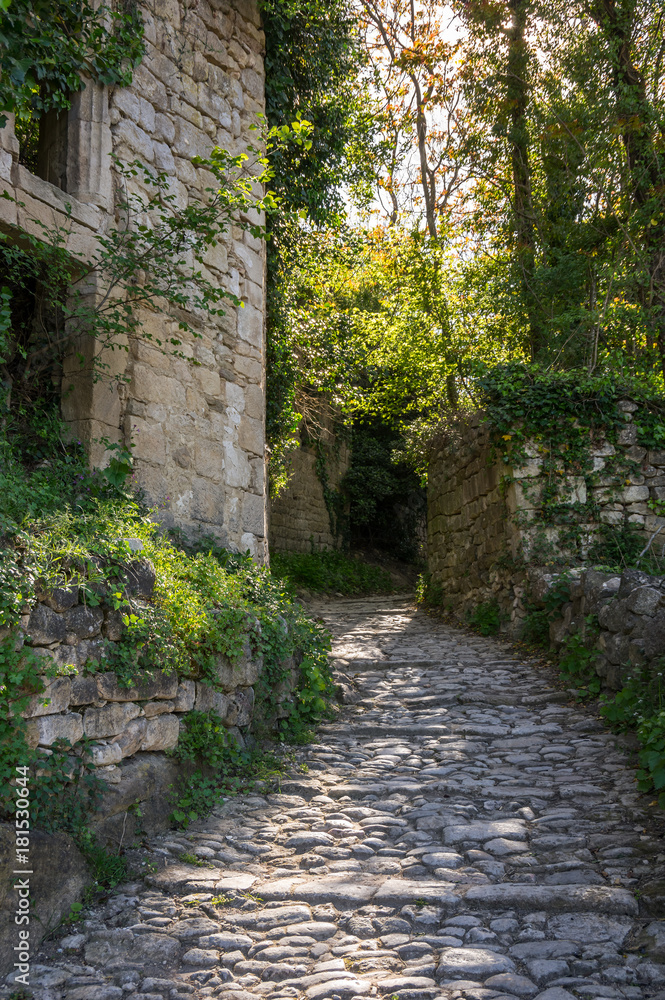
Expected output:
(299, 517)
(486, 537)
(197, 431)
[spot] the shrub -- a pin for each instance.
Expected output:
(330, 572)
(486, 617)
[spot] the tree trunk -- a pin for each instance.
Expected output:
(517, 94)
(645, 164)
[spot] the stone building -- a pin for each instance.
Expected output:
(197, 431)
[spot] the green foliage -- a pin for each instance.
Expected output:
(640, 707)
(537, 621)
(536, 626)
(486, 617)
(206, 739)
(385, 497)
(63, 786)
(223, 767)
(617, 546)
(47, 47)
(107, 868)
(429, 592)
(330, 572)
(557, 418)
(194, 798)
(311, 63)
(577, 660)
(312, 68)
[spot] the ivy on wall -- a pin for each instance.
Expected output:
(557, 418)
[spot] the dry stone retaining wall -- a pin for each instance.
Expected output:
(486, 539)
(131, 726)
(197, 431)
(629, 610)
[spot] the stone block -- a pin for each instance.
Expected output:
(46, 729)
(250, 325)
(528, 469)
(250, 435)
(140, 578)
(54, 698)
(160, 685)
(614, 646)
(82, 622)
(58, 877)
(205, 698)
(154, 708)
(148, 440)
(242, 673)
(634, 494)
(644, 600)
(207, 501)
(110, 720)
(650, 632)
(60, 598)
(185, 696)
(161, 733)
(83, 690)
(113, 625)
(253, 514)
(128, 133)
(209, 458)
(130, 739)
(106, 754)
(612, 615)
(244, 699)
(90, 651)
(154, 387)
(66, 655)
(628, 435)
(164, 129)
(631, 579)
(45, 626)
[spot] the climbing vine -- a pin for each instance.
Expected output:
(557, 420)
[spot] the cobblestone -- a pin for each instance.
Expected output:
(460, 832)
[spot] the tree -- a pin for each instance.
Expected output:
(425, 143)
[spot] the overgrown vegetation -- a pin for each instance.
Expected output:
(637, 708)
(330, 572)
(207, 604)
(221, 767)
(486, 617)
(559, 420)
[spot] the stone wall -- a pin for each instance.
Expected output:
(299, 518)
(197, 431)
(486, 538)
(130, 726)
(468, 527)
(627, 621)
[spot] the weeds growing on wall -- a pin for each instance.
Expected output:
(486, 617)
(222, 767)
(62, 524)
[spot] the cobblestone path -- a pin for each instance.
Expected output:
(462, 831)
